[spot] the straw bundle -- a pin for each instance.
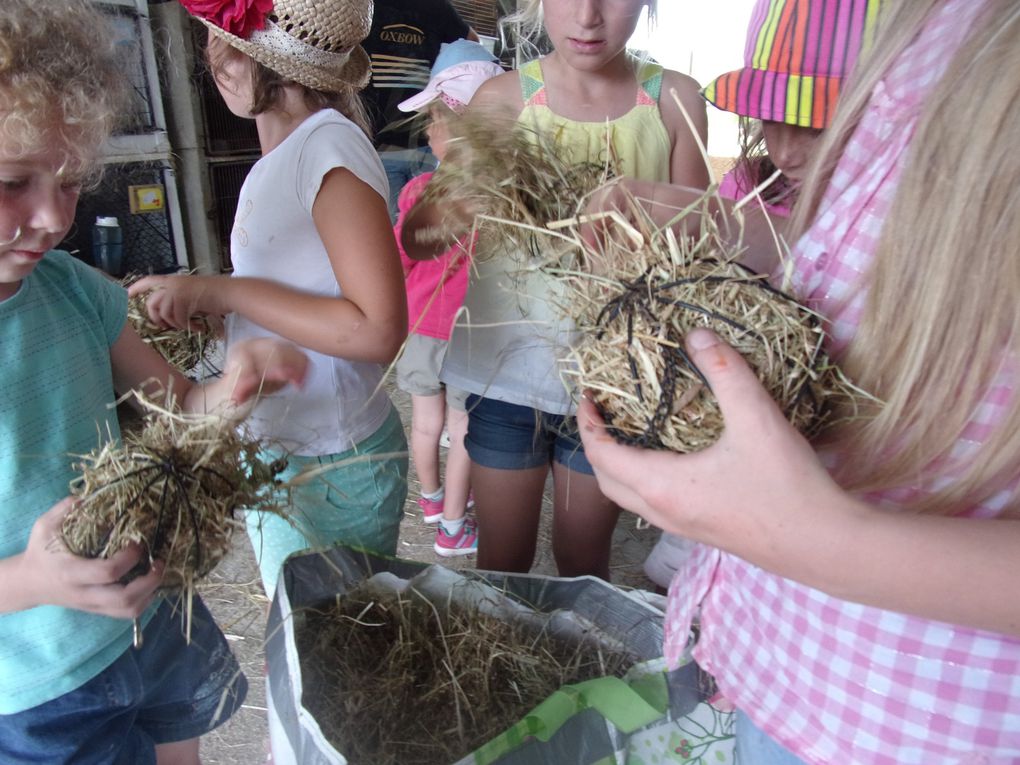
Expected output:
(406, 681)
(643, 290)
(174, 487)
(184, 349)
(511, 180)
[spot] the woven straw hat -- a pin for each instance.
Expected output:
(312, 42)
(797, 54)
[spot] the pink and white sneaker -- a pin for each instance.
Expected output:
(432, 509)
(465, 542)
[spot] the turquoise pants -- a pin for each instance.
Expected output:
(352, 498)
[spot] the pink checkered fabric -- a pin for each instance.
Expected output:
(834, 681)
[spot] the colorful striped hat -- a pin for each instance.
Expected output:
(797, 54)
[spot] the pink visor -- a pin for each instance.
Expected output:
(454, 86)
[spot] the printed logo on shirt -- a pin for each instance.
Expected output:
(403, 34)
(399, 72)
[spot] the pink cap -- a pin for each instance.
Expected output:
(454, 85)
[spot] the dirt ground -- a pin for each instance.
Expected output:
(234, 595)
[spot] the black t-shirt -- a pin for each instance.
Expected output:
(403, 44)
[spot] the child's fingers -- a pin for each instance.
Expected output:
(122, 601)
(143, 285)
(616, 467)
(746, 405)
(49, 522)
(264, 366)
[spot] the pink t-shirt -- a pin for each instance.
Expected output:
(435, 288)
(835, 681)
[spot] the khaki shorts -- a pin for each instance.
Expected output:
(418, 370)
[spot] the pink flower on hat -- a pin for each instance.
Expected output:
(238, 17)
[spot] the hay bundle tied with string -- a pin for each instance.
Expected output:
(510, 180)
(643, 288)
(174, 486)
(400, 679)
(183, 349)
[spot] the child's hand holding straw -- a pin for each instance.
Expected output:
(758, 444)
(56, 577)
(179, 301)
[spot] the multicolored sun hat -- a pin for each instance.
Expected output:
(797, 54)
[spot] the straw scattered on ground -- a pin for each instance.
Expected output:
(405, 681)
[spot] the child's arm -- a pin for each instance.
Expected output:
(368, 323)
(786, 515)
(46, 573)
(687, 163)
(252, 367)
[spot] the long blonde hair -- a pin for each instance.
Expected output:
(942, 315)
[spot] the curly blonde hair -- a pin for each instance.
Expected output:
(59, 80)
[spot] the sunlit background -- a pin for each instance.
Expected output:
(702, 38)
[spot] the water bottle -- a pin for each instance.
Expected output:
(108, 245)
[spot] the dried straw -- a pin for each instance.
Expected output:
(638, 297)
(174, 487)
(411, 682)
(636, 294)
(513, 180)
(184, 349)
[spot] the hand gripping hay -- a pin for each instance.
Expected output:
(639, 296)
(174, 487)
(183, 349)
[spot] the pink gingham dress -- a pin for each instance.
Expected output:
(835, 681)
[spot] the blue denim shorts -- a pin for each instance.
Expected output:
(512, 437)
(167, 690)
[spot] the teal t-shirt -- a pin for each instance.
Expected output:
(56, 402)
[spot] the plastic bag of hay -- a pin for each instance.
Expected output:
(414, 694)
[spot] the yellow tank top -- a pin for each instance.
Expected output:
(639, 139)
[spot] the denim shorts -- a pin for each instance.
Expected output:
(756, 747)
(512, 437)
(167, 690)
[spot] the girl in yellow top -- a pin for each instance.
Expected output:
(506, 350)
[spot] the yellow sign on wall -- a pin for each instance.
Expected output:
(147, 198)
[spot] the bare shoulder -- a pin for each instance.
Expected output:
(687, 89)
(682, 93)
(500, 93)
